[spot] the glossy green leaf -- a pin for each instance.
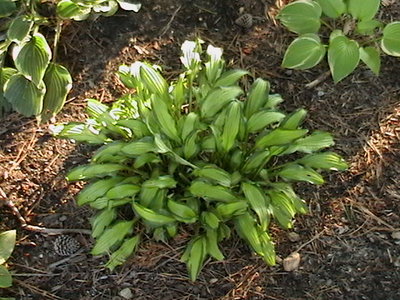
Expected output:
(96, 190)
(5, 74)
(7, 243)
(119, 256)
(257, 97)
(112, 236)
(189, 125)
(139, 147)
(96, 170)
(33, 58)
(229, 210)
(123, 191)
(231, 126)
(304, 52)
(343, 57)
(24, 96)
(182, 211)
(390, 42)
(138, 127)
(294, 120)
(58, 83)
(210, 219)
(5, 276)
(212, 192)
(280, 136)
(197, 255)
(19, 29)
(162, 182)
(368, 27)
(79, 132)
(7, 8)
(332, 8)
(325, 160)
(217, 99)
(299, 173)
(151, 78)
(68, 9)
(316, 141)
(102, 220)
(262, 119)
(363, 9)
(258, 203)
(151, 216)
(230, 77)
(371, 57)
(246, 227)
(214, 173)
(301, 16)
(212, 244)
(164, 118)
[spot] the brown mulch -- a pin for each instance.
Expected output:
(346, 244)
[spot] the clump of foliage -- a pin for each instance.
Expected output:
(353, 32)
(31, 82)
(198, 153)
(7, 244)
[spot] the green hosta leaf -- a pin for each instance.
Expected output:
(229, 210)
(7, 8)
(5, 276)
(326, 160)
(299, 173)
(162, 182)
(33, 58)
(273, 101)
(212, 192)
(304, 52)
(123, 191)
(91, 171)
(256, 161)
(106, 151)
(195, 256)
(144, 159)
(390, 42)
(363, 9)
(189, 125)
(151, 78)
(258, 203)
(112, 236)
(95, 108)
(343, 57)
(151, 216)
(261, 119)
(130, 5)
(283, 209)
(7, 243)
(280, 136)
(370, 56)
(164, 118)
(212, 244)
(217, 99)
(68, 9)
(231, 126)
(102, 220)
(257, 97)
(182, 211)
(332, 8)
(191, 146)
(268, 249)
(139, 129)
(5, 74)
(368, 27)
(214, 173)
(301, 16)
(295, 119)
(97, 190)
(24, 96)
(140, 147)
(230, 77)
(210, 219)
(79, 132)
(316, 141)
(127, 248)
(246, 227)
(19, 29)
(58, 83)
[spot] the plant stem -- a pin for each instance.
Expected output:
(57, 38)
(327, 25)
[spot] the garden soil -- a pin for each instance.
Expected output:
(349, 243)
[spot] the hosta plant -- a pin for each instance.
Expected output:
(31, 81)
(198, 154)
(7, 243)
(345, 30)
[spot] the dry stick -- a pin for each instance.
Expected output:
(319, 79)
(35, 289)
(64, 260)
(315, 237)
(165, 29)
(34, 228)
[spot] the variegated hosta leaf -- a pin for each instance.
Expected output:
(119, 256)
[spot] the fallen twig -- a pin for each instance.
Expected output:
(166, 27)
(319, 79)
(315, 237)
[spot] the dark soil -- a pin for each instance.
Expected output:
(347, 246)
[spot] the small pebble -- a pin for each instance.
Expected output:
(293, 237)
(291, 262)
(63, 218)
(126, 293)
(396, 235)
(320, 93)
(213, 280)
